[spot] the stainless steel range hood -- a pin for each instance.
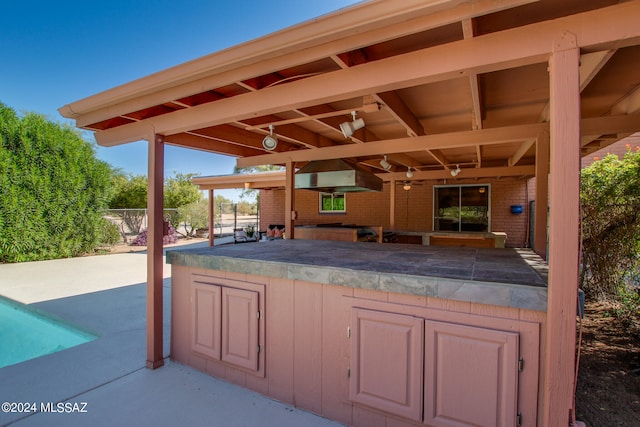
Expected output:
(336, 176)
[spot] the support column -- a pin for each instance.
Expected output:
(155, 263)
(564, 196)
(392, 204)
(542, 195)
(212, 222)
(289, 200)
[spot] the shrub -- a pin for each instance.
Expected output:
(109, 233)
(610, 199)
(53, 189)
(142, 238)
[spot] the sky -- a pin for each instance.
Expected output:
(53, 53)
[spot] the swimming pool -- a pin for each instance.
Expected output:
(27, 333)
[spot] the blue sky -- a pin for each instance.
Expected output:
(56, 52)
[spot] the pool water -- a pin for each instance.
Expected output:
(26, 333)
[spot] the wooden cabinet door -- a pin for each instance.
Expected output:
(386, 362)
(240, 327)
(471, 376)
(205, 319)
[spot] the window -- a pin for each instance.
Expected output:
(461, 208)
(333, 202)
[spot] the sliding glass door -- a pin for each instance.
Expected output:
(461, 208)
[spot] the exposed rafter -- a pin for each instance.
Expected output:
(492, 52)
(476, 108)
(521, 151)
(404, 145)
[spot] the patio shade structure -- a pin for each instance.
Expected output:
(510, 88)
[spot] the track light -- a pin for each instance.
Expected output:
(409, 173)
(270, 142)
(456, 171)
(385, 165)
(348, 128)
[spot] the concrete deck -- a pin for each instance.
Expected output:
(106, 377)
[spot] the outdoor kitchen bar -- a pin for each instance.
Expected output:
(342, 329)
(469, 112)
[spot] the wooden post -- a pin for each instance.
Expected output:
(289, 200)
(392, 204)
(542, 195)
(212, 221)
(564, 186)
(155, 201)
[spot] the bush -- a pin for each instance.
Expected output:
(53, 189)
(610, 199)
(142, 238)
(109, 233)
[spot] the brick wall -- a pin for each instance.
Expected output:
(504, 194)
(413, 208)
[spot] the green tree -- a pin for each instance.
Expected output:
(129, 192)
(194, 216)
(130, 195)
(180, 191)
(610, 199)
(53, 190)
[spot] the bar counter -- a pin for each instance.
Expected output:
(507, 277)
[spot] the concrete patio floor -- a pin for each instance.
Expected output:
(106, 378)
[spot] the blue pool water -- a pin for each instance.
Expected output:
(26, 333)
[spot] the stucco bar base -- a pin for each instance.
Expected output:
(368, 334)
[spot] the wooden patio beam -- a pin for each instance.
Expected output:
(625, 123)
(466, 173)
(521, 151)
(564, 190)
(439, 157)
(468, 31)
(401, 112)
(491, 52)
(541, 195)
(211, 145)
(403, 145)
(155, 262)
(293, 46)
(289, 200)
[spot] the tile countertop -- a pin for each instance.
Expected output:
(506, 277)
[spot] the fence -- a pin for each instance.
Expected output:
(132, 221)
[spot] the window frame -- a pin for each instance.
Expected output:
(459, 186)
(332, 211)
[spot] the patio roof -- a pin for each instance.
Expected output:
(438, 84)
(256, 181)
